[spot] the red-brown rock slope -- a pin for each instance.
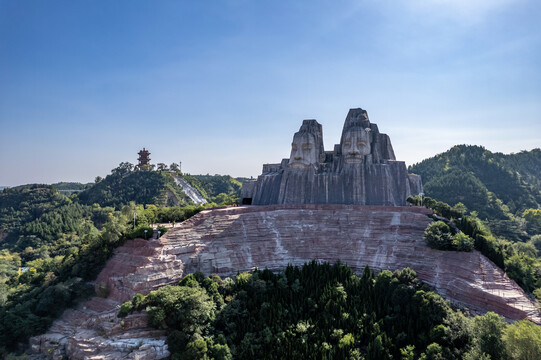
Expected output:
(239, 239)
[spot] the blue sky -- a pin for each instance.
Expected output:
(223, 85)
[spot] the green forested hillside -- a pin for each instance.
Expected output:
(51, 246)
(22, 204)
(125, 184)
(216, 188)
(321, 311)
(219, 184)
(497, 198)
(500, 188)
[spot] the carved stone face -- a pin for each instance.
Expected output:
(303, 151)
(355, 145)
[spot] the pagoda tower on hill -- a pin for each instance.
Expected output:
(144, 159)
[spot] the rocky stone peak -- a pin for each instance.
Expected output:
(356, 118)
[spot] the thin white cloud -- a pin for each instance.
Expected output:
(461, 10)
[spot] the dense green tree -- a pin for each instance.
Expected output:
(438, 235)
(523, 340)
(487, 330)
(533, 220)
(536, 241)
(462, 242)
(123, 168)
(195, 350)
(407, 353)
(161, 167)
(188, 309)
(317, 311)
(525, 249)
(434, 351)
(522, 269)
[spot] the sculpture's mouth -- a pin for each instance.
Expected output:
(299, 164)
(353, 159)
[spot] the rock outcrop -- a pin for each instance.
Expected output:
(361, 170)
(225, 241)
(93, 331)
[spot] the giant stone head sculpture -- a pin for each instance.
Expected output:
(360, 170)
(307, 145)
(355, 142)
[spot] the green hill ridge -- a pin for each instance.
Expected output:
(498, 187)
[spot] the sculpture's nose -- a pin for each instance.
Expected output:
(297, 155)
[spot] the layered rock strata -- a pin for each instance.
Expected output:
(225, 241)
(383, 237)
(92, 330)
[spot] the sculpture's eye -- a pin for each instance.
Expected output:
(306, 147)
(294, 147)
(347, 143)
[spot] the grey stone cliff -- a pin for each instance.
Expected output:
(361, 170)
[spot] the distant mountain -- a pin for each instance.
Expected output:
(498, 186)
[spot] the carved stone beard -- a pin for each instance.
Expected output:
(303, 151)
(355, 145)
